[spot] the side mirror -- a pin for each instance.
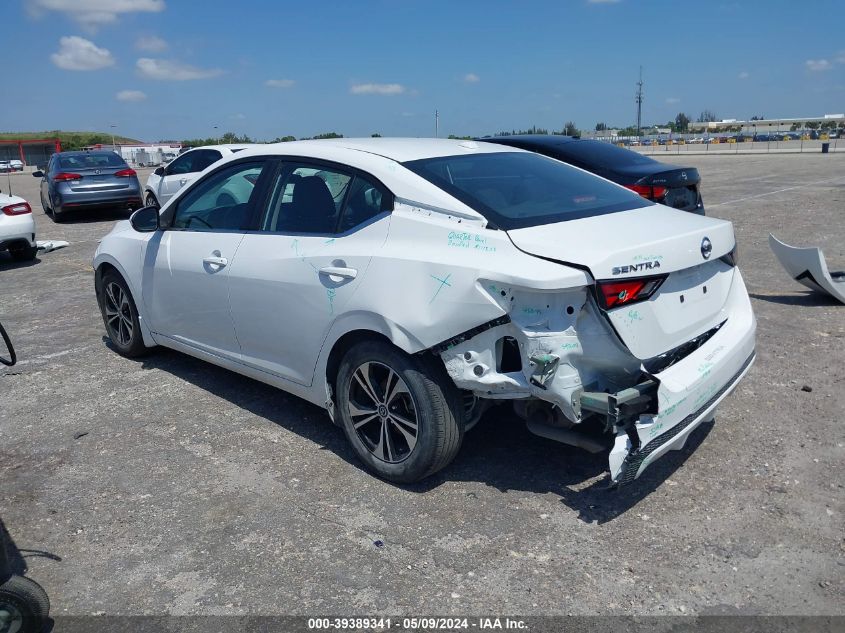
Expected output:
(38, 174)
(159, 171)
(145, 220)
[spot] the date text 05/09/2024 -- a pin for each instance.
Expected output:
(416, 624)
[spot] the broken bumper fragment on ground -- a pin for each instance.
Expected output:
(807, 266)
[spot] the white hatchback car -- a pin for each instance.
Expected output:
(168, 179)
(407, 284)
(17, 228)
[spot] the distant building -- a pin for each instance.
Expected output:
(766, 125)
(143, 154)
(29, 151)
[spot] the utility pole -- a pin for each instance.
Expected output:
(436, 124)
(640, 102)
(113, 146)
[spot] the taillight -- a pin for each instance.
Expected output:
(612, 294)
(125, 173)
(67, 176)
(647, 191)
(20, 208)
(732, 258)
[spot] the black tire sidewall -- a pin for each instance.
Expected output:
(422, 460)
(136, 345)
(147, 200)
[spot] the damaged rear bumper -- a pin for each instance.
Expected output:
(689, 391)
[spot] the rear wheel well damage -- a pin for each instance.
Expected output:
(471, 404)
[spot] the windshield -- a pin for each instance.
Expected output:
(519, 189)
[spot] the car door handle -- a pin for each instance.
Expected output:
(216, 261)
(338, 271)
(182, 181)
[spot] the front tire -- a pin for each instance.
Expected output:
(24, 606)
(120, 316)
(402, 415)
(150, 201)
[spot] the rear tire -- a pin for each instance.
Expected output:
(401, 413)
(24, 605)
(120, 316)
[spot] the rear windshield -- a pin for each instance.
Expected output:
(91, 160)
(519, 189)
(601, 153)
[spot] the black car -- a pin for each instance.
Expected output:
(676, 187)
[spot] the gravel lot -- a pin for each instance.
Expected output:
(169, 485)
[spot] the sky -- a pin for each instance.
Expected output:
(177, 69)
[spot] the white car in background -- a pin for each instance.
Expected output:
(406, 285)
(17, 228)
(168, 179)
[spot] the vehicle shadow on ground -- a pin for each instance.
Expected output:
(7, 263)
(89, 216)
(808, 299)
(499, 452)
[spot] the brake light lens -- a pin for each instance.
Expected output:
(21, 208)
(65, 176)
(647, 191)
(125, 173)
(613, 294)
(732, 258)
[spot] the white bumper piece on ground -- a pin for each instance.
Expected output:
(807, 267)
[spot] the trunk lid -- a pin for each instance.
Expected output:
(100, 179)
(649, 241)
(678, 187)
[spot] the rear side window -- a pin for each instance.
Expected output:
(519, 189)
(306, 199)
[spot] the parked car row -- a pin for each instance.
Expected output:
(11, 165)
(407, 285)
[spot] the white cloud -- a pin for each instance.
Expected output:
(77, 53)
(817, 65)
(151, 44)
(672, 100)
(603, 1)
(377, 89)
(238, 117)
(840, 57)
(130, 95)
(168, 70)
(94, 13)
(471, 78)
(743, 75)
(280, 83)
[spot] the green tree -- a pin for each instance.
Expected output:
(706, 116)
(601, 127)
(375, 135)
(681, 122)
(795, 126)
(811, 125)
(569, 129)
(328, 135)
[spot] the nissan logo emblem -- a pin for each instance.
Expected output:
(706, 248)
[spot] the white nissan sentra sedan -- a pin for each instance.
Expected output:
(406, 285)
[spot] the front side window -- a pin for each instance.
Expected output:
(220, 202)
(183, 164)
(306, 199)
(520, 189)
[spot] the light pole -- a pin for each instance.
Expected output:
(216, 138)
(113, 146)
